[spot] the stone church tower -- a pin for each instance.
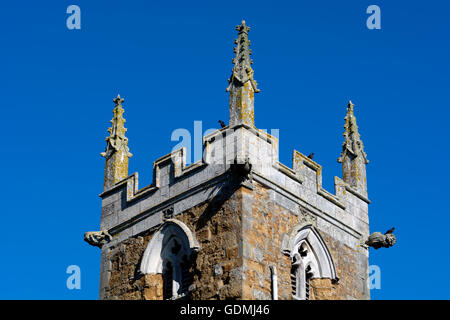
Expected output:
(237, 224)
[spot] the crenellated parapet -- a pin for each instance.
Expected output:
(179, 186)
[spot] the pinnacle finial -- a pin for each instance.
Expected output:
(350, 105)
(243, 27)
(118, 101)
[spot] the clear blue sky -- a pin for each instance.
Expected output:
(170, 60)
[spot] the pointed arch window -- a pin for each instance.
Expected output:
(310, 259)
(170, 253)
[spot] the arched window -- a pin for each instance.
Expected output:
(310, 259)
(169, 253)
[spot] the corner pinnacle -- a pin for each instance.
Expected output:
(242, 70)
(352, 142)
(116, 140)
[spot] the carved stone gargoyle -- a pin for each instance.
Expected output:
(97, 238)
(377, 239)
(241, 168)
(241, 171)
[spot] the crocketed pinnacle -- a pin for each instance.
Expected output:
(242, 86)
(242, 70)
(352, 143)
(116, 141)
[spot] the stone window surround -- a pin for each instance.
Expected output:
(160, 250)
(310, 260)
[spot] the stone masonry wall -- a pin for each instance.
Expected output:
(264, 222)
(240, 234)
(216, 269)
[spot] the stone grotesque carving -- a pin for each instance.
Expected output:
(168, 213)
(242, 170)
(97, 238)
(377, 239)
(306, 218)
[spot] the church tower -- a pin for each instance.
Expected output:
(237, 224)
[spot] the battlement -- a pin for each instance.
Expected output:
(177, 187)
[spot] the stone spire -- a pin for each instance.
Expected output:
(116, 152)
(353, 157)
(241, 84)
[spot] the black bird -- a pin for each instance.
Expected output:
(311, 155)
(391, 230)
(222, 124)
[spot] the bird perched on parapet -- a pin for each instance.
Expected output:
(391, 230)
(311, 155)
(222, 124)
